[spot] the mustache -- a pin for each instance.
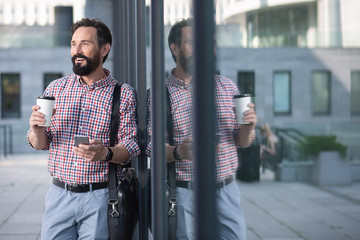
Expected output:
(79, 56)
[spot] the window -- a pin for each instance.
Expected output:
(49, 77)
(246, 82)
(282, 92)
(355, 92)
(320, 92)
(280, 26)
(10, 95)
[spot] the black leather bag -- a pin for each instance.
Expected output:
(123, 193)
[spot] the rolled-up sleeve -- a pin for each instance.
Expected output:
(47, 133)
(128, 130)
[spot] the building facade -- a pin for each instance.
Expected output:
(300, 59)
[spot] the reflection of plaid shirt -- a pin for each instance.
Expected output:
(86, 110)
(181, 102)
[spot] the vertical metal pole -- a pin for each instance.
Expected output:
(159, 226)
(117, 67)
(125, 44)
(120, 63)
(141, 90)
(131, 63)
(205, 201)
(131, 43)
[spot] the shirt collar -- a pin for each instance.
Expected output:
(98, 84)
(177, 81)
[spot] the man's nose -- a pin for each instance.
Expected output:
(77, 49)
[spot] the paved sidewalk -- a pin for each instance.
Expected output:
(23, 185)
(273, 210)
(298, 211)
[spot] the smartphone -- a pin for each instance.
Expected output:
(80, 139)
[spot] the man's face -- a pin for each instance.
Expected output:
(185, 56)
(85, 52)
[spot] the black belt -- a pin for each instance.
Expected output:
(186, 184)
(79, 188)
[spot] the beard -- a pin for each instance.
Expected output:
(89, 67)
(186, 63)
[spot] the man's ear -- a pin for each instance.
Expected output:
(174, 49)
(105, 49)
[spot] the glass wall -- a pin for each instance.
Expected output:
(278, 27)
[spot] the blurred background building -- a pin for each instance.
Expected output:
(300, 59)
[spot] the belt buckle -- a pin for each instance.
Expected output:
(70, 187)
(77, 187)
(221, 184)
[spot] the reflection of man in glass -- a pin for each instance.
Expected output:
(230, 216)
(76, 202)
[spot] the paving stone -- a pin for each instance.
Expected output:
(273, 210)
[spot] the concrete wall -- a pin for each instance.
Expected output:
(301, 63)
(33, 63)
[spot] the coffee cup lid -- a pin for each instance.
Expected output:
(46, 97)
(242, 95)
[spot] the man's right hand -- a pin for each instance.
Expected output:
(185, 149)
(37, 137)
(37, 118)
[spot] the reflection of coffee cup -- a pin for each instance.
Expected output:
(241, 105)
(46, 104)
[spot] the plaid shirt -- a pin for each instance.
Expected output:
(86, 110)
(181, 108)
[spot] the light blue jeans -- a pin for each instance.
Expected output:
(71, 215)
(230, 217)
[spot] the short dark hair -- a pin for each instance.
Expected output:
(176, 34)
(103, 33)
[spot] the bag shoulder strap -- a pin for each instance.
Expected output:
(114, 122)
(170, 130)
(170, 126)
(171, 174)
(114, 126)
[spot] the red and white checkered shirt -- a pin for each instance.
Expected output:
(181, 108)
(86, 110)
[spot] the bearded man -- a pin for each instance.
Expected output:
(76, 202)
(230, 217)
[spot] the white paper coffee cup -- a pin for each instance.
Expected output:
(241, 105)
(46, 104)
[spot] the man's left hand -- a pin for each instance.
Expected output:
(94, 151)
